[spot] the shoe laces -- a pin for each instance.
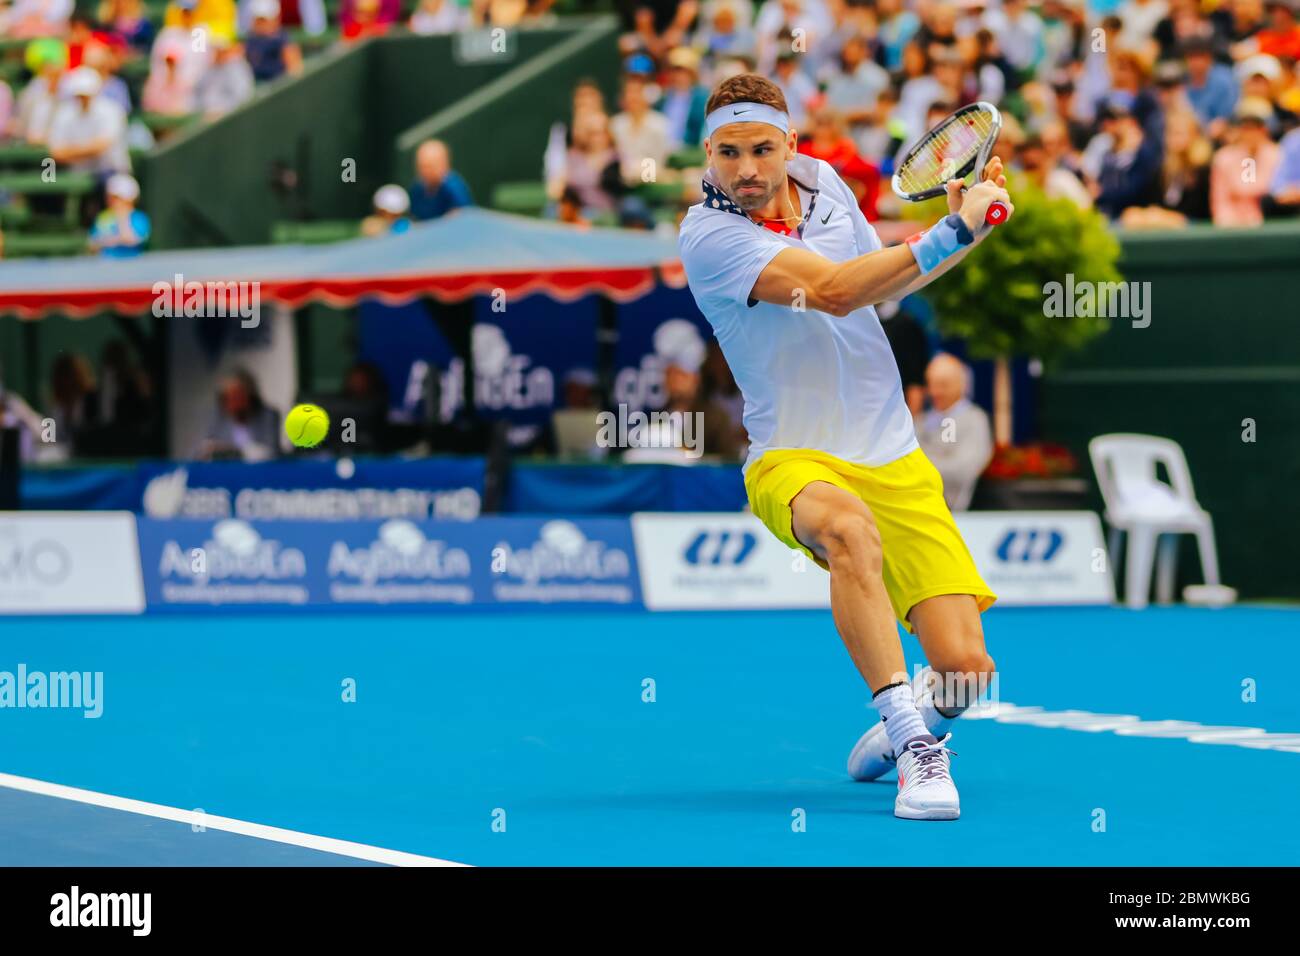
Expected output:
(931, 759)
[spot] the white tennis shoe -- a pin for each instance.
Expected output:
(925, 787)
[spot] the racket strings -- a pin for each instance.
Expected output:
(946, 152)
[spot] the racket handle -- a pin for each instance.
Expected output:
(996, 214)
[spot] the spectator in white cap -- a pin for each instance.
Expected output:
(88, 131)
(120, 231)
(269, 49)
(227, 84)
(391, 206)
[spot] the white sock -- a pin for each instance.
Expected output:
(898, 710)
(935, 722)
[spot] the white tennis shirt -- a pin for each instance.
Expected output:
(810, 379)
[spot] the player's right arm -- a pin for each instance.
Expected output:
(801, 275)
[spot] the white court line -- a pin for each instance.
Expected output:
(1129, 725)
(310, 841)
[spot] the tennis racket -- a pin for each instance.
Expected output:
(952, 150)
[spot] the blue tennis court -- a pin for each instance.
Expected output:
(498, 739)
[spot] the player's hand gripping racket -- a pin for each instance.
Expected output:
(952, 150)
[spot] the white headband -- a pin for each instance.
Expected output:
(746, 113)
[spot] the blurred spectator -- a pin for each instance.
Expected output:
(437, 189)
(39, 18)
(1284, 191)
(128, 20)
(121, 231)
(1184, 24)
(955, 432)
(829, 142)
(684, 98)
(1184, 178)
(1019, 33)
(1281, 37)
(569, 209)
(243, 426)
(74, 401)
(721, 389)
(591, 167)
(1211, 88)
(898, 24)
(47, 59)
(641, 135)
(1130, 168)
(1259, 76)
(715, 434)
(438, 17)
(169, 89)
(1243, 170)
(1043, 168)
(799, 90)
(125, 390)
(16, 413)
(227, 84)
(80, 32)
(854, 84)
(775, 26)
(993, 72)
(390, 215)
(1141, 17)
(193, 59)
(306, 15)
(104, 60)
(364, 399)
(359, 19)
(722, 34)
(87, 131)
(215, 16)
(268, 47)
(656, 27)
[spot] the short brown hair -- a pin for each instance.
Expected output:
(747, 88)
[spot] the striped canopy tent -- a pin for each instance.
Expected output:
(469, 252)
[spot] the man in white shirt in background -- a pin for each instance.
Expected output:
(88, 131)
(954, 432)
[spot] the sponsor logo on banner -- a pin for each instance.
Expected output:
(68, 563)
(400, 566)
(231, 564)
(1040, 557)
(722, 561)
(561, 562)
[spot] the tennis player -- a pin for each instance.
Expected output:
(787, 270)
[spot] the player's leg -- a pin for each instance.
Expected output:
(949, 629)
(839, 528)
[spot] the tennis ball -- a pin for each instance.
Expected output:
(307, 425)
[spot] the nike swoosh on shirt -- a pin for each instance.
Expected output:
(828, 216)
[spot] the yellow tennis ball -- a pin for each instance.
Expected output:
(307, 425)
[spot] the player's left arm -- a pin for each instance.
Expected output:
(993, 172)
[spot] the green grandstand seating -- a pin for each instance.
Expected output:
(14, 216)
(320, 231)
(21, 155)
(71, 185)
(525, 198)
(687, 158)
(19, 245)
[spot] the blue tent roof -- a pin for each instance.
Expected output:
(467, 252)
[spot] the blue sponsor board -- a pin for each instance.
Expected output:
(401, 564)
(324, 490)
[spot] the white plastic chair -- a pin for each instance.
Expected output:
(1140, 504)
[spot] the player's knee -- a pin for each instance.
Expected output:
(852, 537)
(972, 664)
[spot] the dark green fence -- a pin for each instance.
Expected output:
(1222, 351)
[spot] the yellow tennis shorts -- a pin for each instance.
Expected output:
(924, 554)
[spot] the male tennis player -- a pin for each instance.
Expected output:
(787, 269)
